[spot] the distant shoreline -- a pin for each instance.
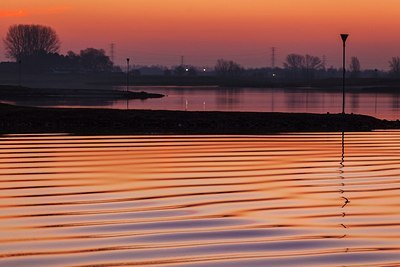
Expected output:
(110, 80)
(18, 120)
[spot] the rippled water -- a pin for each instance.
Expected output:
(276, 200)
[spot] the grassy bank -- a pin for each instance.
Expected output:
(15, 119)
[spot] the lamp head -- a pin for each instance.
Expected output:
(344, 37)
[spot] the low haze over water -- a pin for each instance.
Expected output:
(313, 199)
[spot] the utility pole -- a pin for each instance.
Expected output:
(182, 60)
(273, 55)
(112, 51)
(127, 74)
(344, 38)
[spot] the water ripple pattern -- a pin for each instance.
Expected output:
(315, 199)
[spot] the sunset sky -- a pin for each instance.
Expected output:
(160, 31)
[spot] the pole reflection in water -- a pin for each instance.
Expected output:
(345, 200)
(268, 200)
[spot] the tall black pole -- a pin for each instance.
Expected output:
(127, 74)
(344, 38)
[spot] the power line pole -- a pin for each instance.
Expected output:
(273, 57)
(127, 74)
(112, 47)
(182, 60)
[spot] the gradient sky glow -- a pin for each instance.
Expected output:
(160, 31)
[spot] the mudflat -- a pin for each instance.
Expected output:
(16, 119)
(16, 92)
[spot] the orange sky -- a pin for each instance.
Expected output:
(159, 31)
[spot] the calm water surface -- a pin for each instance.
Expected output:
(275, 200)
(382, 105)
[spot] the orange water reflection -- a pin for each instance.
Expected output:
(282, 200)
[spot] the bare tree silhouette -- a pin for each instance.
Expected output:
(26, 40)
(294, 62)
(394, 65)
(306, 65)
(228, 68)
(355, 67)
(312, 63)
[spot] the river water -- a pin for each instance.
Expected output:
(381, 105)
(315, 199)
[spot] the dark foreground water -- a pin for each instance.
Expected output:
(275, 200)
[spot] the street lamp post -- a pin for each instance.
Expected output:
(344, 38)
(127, 74)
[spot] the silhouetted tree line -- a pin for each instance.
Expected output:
(88, 60)
(92, 60)
(302, 67)
(37, 47)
